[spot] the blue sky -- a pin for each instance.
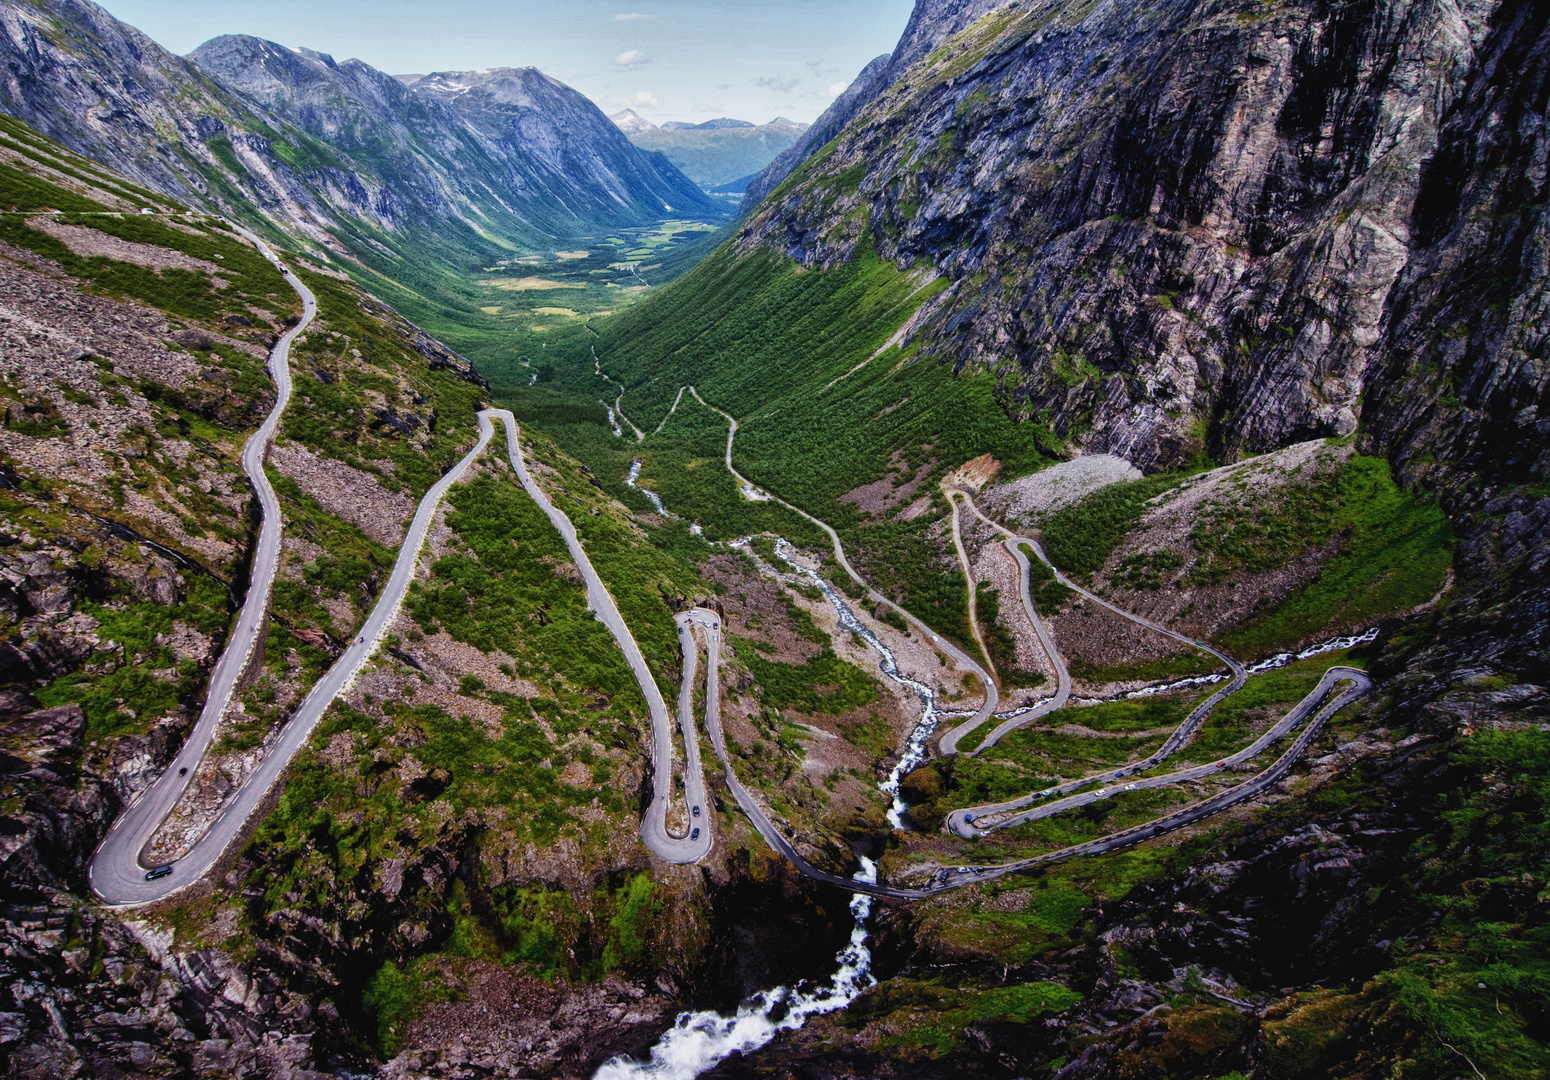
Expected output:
(686, 60)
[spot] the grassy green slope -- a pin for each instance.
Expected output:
(803, 359)
(762, 339)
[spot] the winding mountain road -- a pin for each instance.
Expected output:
(1014, 542)
(118, 876)
(979, 821)
(653, 826)
(973, 588)
(966, 822)
(709, 623)
(597, 367)
(941, 644)
(950, 739)
(952, 877)
(115, 872)
(955, 877)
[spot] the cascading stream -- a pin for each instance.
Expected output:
(915, 747)
(1270, 663)
(651, 496)
(701, 1039)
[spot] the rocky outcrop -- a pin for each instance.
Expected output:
(1192, 226)
(85, 993)
(932, 22)
(88, 993)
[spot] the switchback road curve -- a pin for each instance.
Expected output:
(115, 872)
(955, 877)
(1014, 544)
(968, 822)
(941, 644)
(980, 820)
(958, 876)
(653, 826)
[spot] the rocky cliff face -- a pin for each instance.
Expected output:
(1202, 223)
(932, 22)
(331, 153)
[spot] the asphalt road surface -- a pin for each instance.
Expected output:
(709, 624)
(981, 820)
(967, 821)
(941, 644)
(1361, 684)
(969, 582)
(653, 827)
(955, 877)
(119, 877)
(950, 740)
(117, 873)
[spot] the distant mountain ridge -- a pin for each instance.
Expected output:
(348, 158)
(498, 130)
(716, 152)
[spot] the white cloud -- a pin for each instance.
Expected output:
(630, 58)
(776, 83)
(635, 16)
(835, 89)
(642, 97)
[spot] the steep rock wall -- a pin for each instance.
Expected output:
(1203, 222)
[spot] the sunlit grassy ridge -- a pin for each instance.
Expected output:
(251, 280)
(208, 418)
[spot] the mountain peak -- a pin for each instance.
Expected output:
(501, 85)
(629, 121)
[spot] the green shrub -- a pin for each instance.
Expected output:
(825, 684)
